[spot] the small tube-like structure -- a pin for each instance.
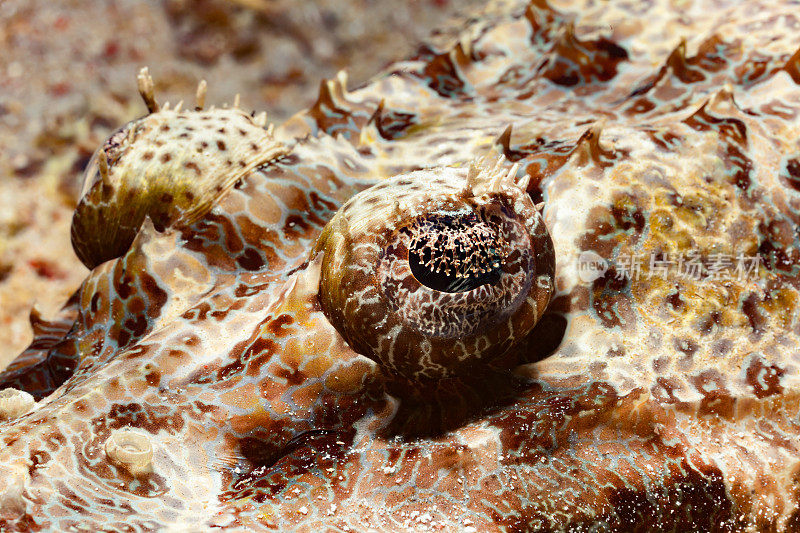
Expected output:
(131, 449)
(14, 403)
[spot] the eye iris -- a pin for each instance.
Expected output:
(456, 253)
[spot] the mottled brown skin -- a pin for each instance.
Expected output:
(657, 402)
(438, 347)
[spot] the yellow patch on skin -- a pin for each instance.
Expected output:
(258, 417)
(292, 357)
(782, 305)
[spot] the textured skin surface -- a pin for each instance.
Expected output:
(54, 117)
(170, 166)
(652, 403)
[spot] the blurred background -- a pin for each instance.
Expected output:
(68, 79)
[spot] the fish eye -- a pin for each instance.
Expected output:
(170, 165)
(435, 274)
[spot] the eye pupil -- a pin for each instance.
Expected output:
(456, 254)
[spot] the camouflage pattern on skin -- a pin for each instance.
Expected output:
(656, 403)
